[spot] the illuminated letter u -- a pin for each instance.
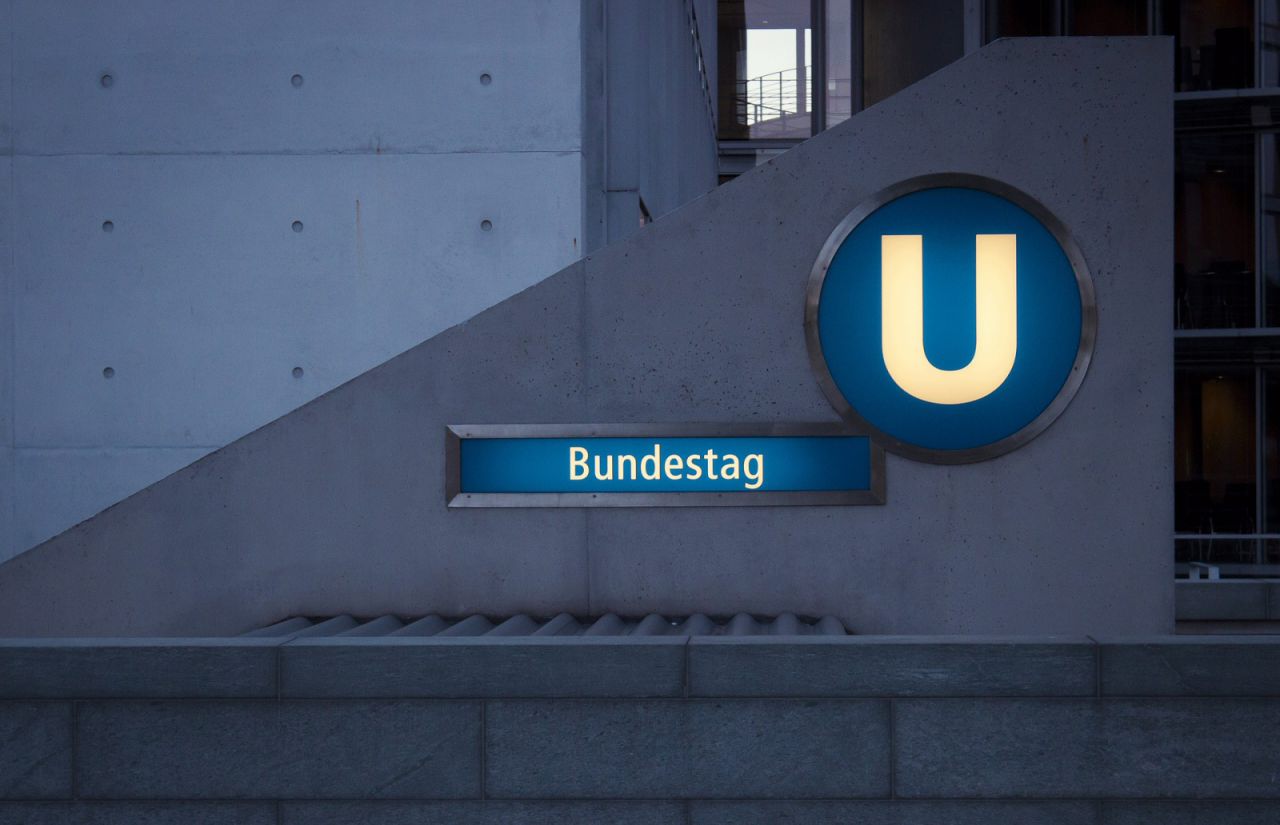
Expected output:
(902, 320)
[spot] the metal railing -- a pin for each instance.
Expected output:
(771, 96)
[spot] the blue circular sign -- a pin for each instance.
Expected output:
(951, 316)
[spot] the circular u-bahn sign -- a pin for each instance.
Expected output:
(952, 317)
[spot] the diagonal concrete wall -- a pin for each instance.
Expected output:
(339, 506)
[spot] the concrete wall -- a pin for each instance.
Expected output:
(649, 127)
(202, 153)
(710, 731)
(340, 507)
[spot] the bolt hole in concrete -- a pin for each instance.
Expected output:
(486, 224)
(297, 226)
(108, 372)
(108, 226)
(296, 80)
(297, 372)
(486, 79)
(106, 80)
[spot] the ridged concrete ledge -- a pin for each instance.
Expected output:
(655, 730)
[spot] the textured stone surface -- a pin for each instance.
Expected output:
(513, 667)
(1087, 748)
(290, 750)
(35, 750)
(138, 813)
(1221, 666)
(143, 668)
(878, 666)
(754, 749)
(483, 813)
(898, 812)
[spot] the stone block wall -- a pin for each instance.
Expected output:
(665, 730)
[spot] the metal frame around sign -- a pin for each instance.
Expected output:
(1088, 317)
(454, 497)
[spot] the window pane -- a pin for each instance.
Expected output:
(1271, 458)
(1020, 18)
(1270, 220)
(903, 42)
(1270, 43)
(764, 56)
(1214, 42)
(1213, 229)
(1107, 17)
(840, 102)
(1215, 462)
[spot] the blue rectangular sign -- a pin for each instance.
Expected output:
(639, 465)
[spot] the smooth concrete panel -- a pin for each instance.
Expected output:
(482, 813)
(890, 666)
(53, 489)
(339, 506)
(1215, 812)
(897, 812)
(269, 750)
(6, 79)
(573, 666)
(7, 531)
(211, 77)
(143, 668)
(8, 293)
(702, 749)
(203, 292)
(7, 300)
(1190, 666)
(699, 318)
(138, 813)
(1222, 600)
(1080, 748)
(35, 750)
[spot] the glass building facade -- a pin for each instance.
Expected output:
(788, 69)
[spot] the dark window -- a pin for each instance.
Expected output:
(904, 42)
(1215, 455)
(1270, 285)
(1214, 281)
(1213, 41)
(1106, 17)
(1021, 18)
(1271, 453)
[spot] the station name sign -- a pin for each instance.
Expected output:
(653, 464)
(949, 319)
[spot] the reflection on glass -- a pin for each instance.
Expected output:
(1214, 42)
(1271, 450)
(1020, 18)
(1107, 17)
(903, 42)
(1213, 228)
(764, 52)
(839, 36)
(1214, 464)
